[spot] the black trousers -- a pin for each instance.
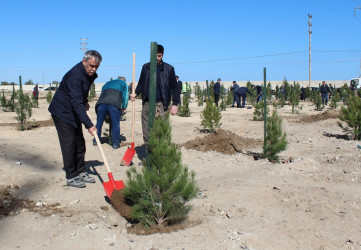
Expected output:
(216, 99)
(72, 146)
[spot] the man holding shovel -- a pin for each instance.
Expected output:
(68, 110)
(166, 87)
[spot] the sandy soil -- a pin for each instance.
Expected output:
(310, 201)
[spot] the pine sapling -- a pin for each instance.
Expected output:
(275, 138)
(295, 94)
(92, 93)
(351, 115)
(23, 110)
(211, 117)
(160, 193)
(335, 99)
(184, 110)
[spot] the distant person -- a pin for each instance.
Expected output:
(166, 89)
(234, 89)
(68, 110)
(324, 92)
(113, 101)
(180, 87)
(258, 89)
(242, 94)
(331, 89)
(303, 94)
(36, 94)
(217, 91)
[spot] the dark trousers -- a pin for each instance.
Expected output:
(115, 114)
(216, 99)
(159, 110)
(243, 97)
(72, 146)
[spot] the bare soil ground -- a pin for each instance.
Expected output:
(310, 202)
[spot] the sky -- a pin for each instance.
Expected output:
(203, 40)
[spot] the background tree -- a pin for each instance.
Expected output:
(30, 82)
(49, 96)
(295, 94)
(184, 110)
(24, 109)
(275, 140)
(160, 193)
(92, 93)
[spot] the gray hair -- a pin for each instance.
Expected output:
(92, 53)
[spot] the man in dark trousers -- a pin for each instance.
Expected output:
(113, 101)
(234, 89)
(324, 92)
(180, 87)
(36, 94)
(166, 89)
(68, 110)
(217, 91)
(242, 93)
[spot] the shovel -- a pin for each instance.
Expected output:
(111, 185)
(129, 154)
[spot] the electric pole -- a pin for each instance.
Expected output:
(357, 8)
(309, 49)
(84, 44)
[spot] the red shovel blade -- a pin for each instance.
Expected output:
(128, 157)
(112, 185)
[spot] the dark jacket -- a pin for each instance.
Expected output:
(180, 86)
(217, 88)
(243, 90)
(324, 89)
(69, 99)
(168, 84)
(235, 88)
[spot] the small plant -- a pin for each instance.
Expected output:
(258, 112)
(23, 110)
(275, 138)
(160, 193)
(184, 110)
(317, 100)
(9, 105)
(49, 96)
(92, 93)
(211, 117)
(295, 96)
(230, 96)
(351, 115)
(335, 99)
(223, 105)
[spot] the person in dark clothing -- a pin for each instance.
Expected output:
(166, 89)
(234, 89)
(258, 89)
(180, 87)
(242, 93)
(303, 94)
(36, 94)
(113, 101)
(324, 92)
(331, 89)
(217, 91)
(68, 110)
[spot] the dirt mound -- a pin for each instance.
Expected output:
(223, 141)
(119, 204)
(10, 205)
(329, 114)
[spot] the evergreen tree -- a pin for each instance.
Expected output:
(49, 96)
(286, 89)
(351, 115)
(223, 105)
(211, 117)
(184, 110)
(160, 193)
(230, 96)
(24, 110)
(269, 93)
(335, 99)
(317, 99)
(295, 94)
(92, 93)
(345, 93)
(258, 112)
(275, 138)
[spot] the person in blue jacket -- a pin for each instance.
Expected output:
(242, 93)
(235, 88)
(113, 101)
(217, 91)
(68, 110)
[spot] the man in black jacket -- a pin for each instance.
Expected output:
(68, 109)
(180, 87)
(324, 92)
(242, 93)
(217, 91)
(166, 88)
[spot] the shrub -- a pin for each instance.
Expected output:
(160, 192)
(184, 110)
(23, 110)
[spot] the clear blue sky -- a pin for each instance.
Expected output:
(203, 40)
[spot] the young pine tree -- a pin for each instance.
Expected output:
(49, 96)
(23, 110)
(160, 192)
(295, 94)
(211, 117)
(92, 93)
(184, 110)
(230, 95)
(275, 138)
(351, 115)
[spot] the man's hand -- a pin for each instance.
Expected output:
(132, 97)
(86, 106)
(174, 109)
(92, 130)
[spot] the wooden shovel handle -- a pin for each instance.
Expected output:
(133, 103)
(95, 134)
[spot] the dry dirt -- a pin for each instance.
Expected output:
(310, 201)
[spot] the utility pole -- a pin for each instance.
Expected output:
(84, 44)
(309, 49)
(358, 8)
